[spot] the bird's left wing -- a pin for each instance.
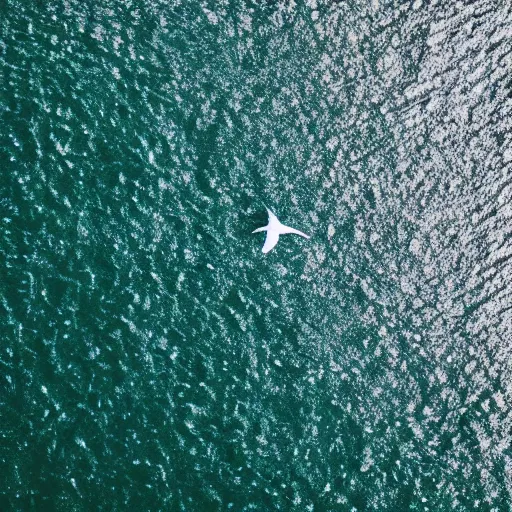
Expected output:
(270, 241)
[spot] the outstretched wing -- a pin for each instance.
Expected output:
(286, 229)
(271, 216)
(270, 241)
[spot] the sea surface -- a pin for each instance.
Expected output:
(152, 358)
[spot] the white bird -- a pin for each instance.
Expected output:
(274, 228)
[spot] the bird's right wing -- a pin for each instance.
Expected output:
(270, 241)
(286, 229)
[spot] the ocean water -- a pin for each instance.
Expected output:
(152, 358)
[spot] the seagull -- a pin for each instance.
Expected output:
(274, 228)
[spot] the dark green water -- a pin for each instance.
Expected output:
(152, 358)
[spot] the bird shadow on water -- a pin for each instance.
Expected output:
(242, 239)
(255, 220)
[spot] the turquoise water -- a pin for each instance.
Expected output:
(153, 358)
